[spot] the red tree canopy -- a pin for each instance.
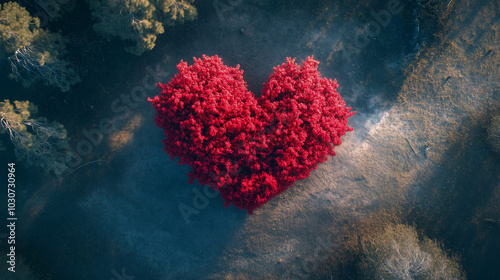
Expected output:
(250, 149)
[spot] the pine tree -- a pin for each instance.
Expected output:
(139, 22)
(36, 141)
(35, 54)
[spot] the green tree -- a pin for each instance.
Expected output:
(172, 11)
(36, 141)
(35, 54)
(17, 27)
(398, 253)
(139, 21)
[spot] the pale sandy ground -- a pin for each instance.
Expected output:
(381, 168)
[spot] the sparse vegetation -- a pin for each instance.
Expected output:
(399, 253)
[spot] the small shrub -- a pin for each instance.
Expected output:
(399, 253)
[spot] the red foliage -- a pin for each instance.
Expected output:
(250, 149)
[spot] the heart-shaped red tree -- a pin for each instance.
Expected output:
(250, 149)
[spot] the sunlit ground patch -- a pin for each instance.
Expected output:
(121, 138)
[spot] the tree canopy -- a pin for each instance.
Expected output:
(139, 21)
(17, 27)
(35, 54)
(36, 140)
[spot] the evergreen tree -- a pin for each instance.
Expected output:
(17, 27)
(139, 21)
(36, 140)
(172, 11)
(35, 54)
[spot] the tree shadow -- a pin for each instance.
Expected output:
(446, 203)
